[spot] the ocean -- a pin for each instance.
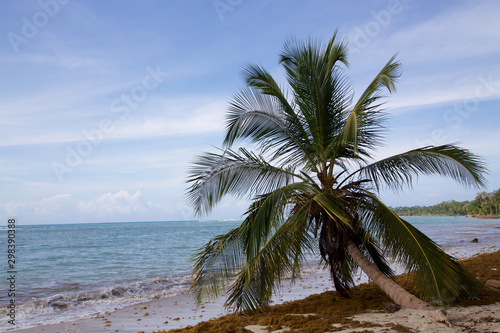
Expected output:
(73, 271)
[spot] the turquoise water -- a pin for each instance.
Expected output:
(75, 270)
(457, 232)
(83, 257)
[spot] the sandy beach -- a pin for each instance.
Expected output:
(179, 311)
(310, 305)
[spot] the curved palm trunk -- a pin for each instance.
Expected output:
(397, 293)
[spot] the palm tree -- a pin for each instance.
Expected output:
(314, 185)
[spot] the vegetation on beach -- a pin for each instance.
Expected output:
(314, 187)
(485, 204)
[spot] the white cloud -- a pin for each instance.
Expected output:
(121, 206)
(64, 61)
(443, 56)
(190, 118)
(468, 31)
(181, 116)
(109, 204)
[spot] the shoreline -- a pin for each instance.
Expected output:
(179, 311)
(487, 216)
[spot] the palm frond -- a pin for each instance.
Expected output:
(263, 250)
(273, 126)
(374, 253)
(439, 276)
(259, 78)
(447, 160)
(278, 259)
(363, 125)
(333, 207)
(268, 211)
(368, 245)
(331, 248)
(244, 173)
(216, 263)
(320, 88)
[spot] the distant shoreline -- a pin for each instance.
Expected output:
(488, 216)
(484, 206)
(431, 215)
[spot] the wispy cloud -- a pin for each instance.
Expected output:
(444, 56)
(468, 31)
(61, 61)
(192, 116)
(111, 207)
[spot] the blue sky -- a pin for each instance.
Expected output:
(104, 104)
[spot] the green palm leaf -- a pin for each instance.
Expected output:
(279, 258)
(263, 250)
(262, 118)
(267, 212)
(364, 122)
(215, 175)
(439, 276)
(319, 85)
(447, 160)
(216, 263)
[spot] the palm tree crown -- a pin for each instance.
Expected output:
(313, 184)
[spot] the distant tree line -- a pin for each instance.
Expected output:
(484, 204)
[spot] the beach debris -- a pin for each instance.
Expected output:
(493, 284)
(391, 307)
(440, 317)
(263, 329)
(301, 314)
(475, 240)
